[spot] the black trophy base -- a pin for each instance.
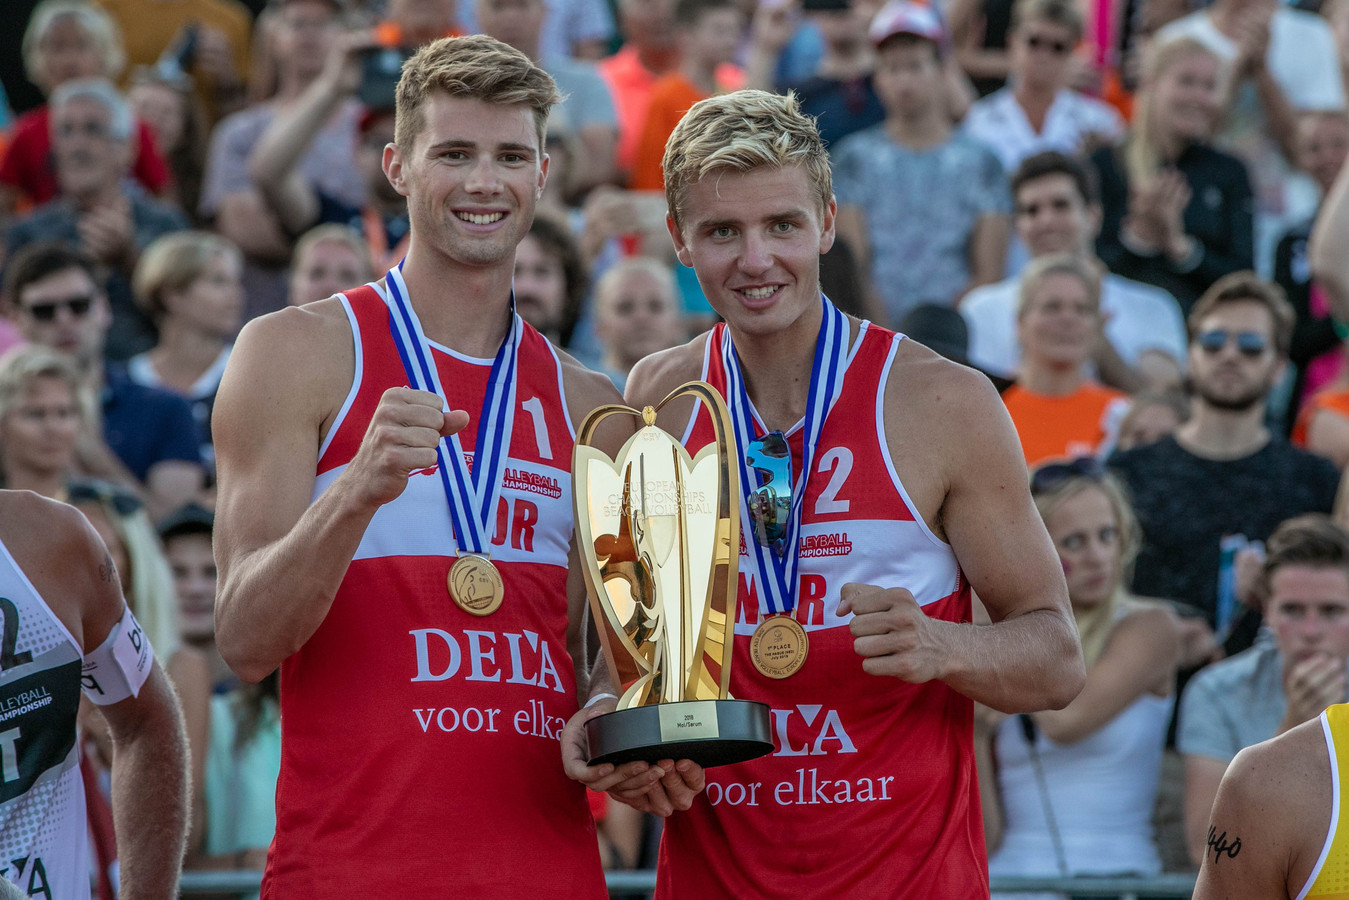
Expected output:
(709, 732)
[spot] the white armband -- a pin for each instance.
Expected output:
(118, 668)
(597, 698)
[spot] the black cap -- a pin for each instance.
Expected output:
(190, 519)
(939, 327)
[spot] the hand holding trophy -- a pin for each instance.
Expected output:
(659, 534)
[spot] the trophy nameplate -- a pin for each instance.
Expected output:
(659, 537)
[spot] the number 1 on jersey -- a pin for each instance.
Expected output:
(534, 406)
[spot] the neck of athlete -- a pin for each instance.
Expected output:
(184, 353)
(777, 368)
(1219, 434)
(462, 307)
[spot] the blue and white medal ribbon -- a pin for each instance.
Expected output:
(777, 575)
(473, 496)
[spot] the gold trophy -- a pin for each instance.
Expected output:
(659, 536)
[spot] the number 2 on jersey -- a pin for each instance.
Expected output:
(838, 459)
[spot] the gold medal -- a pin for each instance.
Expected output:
(779, 647)
(475, 584)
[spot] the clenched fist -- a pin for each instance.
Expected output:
(893, 634)
(401, 439)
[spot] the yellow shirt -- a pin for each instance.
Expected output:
(1330, 878)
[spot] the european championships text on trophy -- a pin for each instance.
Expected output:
(659, 536)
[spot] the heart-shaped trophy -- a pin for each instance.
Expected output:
(659, 536)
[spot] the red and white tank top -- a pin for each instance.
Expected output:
(871, 788)
(419, 753)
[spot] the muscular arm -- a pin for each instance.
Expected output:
(281, 559)
(1028, 658)
(1269, 820)
(149, 789)
(150, 761)
(1203, 774)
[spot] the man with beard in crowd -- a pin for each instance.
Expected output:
(1223, 481)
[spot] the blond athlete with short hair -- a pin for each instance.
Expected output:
(420, 709)
(914, 492)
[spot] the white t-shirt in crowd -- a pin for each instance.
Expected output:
(1139, 318)
(1000, 122)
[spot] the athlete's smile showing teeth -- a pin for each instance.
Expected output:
(479, 218)
(760, 293)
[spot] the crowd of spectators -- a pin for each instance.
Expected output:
(1132, 215)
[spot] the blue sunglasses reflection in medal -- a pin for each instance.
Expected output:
(474, 582)
(773, 498)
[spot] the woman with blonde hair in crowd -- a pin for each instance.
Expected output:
(1104, 750)
(66, 40)
(120, 519)
(328, 259)
(40, 420)
(1177, 213)
(189, 284)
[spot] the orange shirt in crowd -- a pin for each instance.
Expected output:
(671, 97)
(1334, 402)
(631, 84)
(1083, 423)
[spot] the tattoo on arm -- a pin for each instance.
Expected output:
(106, 570)
(1220, 847)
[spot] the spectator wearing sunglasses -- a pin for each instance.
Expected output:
(53, 294)
(97, 207)
(911, 490)
(1295, 671)
(1037, 111)
(1094, 815)
(1059, 410)
(1223, 480)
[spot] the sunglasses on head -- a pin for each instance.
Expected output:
(46, 311)
(770, 503)
(1058, 48)
(1052, 476)
(120, 499)
(1250, 343)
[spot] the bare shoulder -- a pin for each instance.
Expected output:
(1152, 618)
(652, 379)
(297, 355)
(61, 554)
(586, 389)
(942, 394)
(1275, 799)
(947, 429)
